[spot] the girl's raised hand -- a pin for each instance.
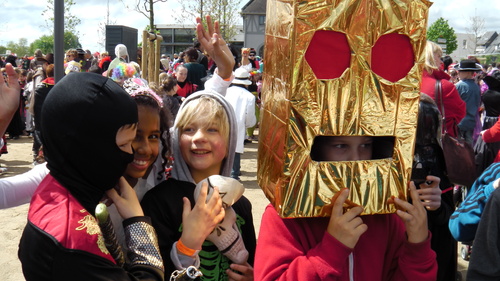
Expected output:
(415, 216)
(213, 43)
(199, 222)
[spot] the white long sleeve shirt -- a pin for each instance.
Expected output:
(243, 103)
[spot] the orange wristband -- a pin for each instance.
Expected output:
(228, 79)
(183, 249)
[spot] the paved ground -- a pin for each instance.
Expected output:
(13, 220)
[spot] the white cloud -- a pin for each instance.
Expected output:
(459, 12)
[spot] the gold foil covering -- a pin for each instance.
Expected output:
(297, 106)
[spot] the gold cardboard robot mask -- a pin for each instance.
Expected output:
(339, 68)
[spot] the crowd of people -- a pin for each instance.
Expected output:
(470, 94)
(143, 149)
(164, 142)
(179, 78)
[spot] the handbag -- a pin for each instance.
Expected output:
(458, 154)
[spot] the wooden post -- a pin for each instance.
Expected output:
(151, 59)
(150, 64)
(158, 41)
(144, 57)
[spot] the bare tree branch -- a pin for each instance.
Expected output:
(476, 27)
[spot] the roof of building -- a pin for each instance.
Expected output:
(494, 46)
(487, 38)
(255, 7)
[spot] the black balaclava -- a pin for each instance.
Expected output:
(82, 115)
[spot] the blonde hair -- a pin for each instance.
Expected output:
(136, 66)
(207, 109)
(72, 52)
(430, 50)
(162, 77)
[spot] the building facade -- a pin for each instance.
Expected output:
(177, 38)
(487, 44)
(254, 25)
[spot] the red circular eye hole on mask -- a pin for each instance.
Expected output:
(392, 56)
(328, 54)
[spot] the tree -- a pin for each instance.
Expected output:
(46, 43)
(476, 28)
(20, 48)
(224, 11)
(490, 59)
(146, 7)
(441, 29)
(101, 30)
(70, 21)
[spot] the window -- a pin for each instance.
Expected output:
(181, 48)
(183, 35)
(262, 20)
(167, 35)
(464, 44)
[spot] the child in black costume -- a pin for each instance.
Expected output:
(62, 240)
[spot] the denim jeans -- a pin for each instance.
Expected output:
(235, 173)
(467, 135)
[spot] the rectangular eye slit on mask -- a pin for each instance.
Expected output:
(382, 147)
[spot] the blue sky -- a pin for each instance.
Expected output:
(23, 19)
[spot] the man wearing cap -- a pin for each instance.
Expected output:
(243, 103)
(471, 94)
